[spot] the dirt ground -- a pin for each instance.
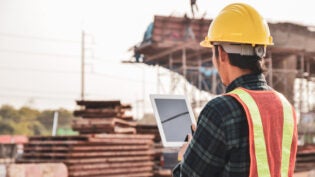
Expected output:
(305, 174)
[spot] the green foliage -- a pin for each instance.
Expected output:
(5, 126)
(28, 121)
(66, 131)
(9, 113)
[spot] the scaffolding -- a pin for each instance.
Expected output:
(174, 45)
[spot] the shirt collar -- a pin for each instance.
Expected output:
(250, 81)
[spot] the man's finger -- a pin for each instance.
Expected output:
(193, 127)
(189, 137)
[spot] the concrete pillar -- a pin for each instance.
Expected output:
(284, 73)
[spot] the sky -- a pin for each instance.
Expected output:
(40, 46)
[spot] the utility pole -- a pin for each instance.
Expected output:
(82, 65)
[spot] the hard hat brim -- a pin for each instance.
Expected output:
(206, 43)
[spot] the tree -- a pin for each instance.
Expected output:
(6, 127)
(64, 118)
(29, 121)
(9, 112)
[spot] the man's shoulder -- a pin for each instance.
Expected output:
(219, 110)
(221, 106)
(221, 101)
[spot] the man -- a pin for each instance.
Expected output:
(251, 130)
(193, 4)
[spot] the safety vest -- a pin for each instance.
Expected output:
(272, 132)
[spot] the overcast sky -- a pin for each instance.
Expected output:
(40, 45)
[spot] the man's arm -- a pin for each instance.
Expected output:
(205, 155)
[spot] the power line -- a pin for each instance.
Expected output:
(26, 93)
(11, 89)
(75, 57)
(10, 68)
(11, 35)
(39, 53)
(119, 78)
(109, 76)
(68, 72)
(16, 91)
(47, 97)
(9, 95)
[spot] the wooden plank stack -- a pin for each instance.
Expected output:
(95, 155)
(305, 158)
(149, 129)
(108, 144)
(103, 117)
(35, 170)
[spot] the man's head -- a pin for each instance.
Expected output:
(232, 65)
(238, 36)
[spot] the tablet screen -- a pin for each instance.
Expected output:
(174, 118)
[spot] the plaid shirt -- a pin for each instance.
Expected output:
(219, 147)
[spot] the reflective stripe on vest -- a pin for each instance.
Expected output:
(288, 129)
(257, 129)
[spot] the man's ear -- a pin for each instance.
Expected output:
(223, 55)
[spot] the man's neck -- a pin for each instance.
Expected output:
(236, 72)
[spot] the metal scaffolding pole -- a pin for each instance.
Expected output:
(158, 79)
(82, 65)
(309, 95)
(172, 84)
(301, 83)
(184, 68)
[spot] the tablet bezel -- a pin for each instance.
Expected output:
(158, 119)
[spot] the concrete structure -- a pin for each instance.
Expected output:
(173, 43)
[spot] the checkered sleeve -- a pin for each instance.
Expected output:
(206, 152)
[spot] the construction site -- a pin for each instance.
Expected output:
(173, 43)
(111, 143)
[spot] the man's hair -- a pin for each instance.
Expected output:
(253, 63)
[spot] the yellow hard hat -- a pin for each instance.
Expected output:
(238, 23)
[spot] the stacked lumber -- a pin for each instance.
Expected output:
(103, 117)
(110, 144)
(108, 125)
(95, 109)
(149, 129)
(163, 173)
(36, 170)
(96, 155)
(305, 158)
(161, 168)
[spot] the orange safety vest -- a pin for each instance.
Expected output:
(272, 132)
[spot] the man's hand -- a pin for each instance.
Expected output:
(185, 145)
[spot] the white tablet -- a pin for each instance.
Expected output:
(174, 118)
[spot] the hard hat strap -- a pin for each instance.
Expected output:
(244, 49)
